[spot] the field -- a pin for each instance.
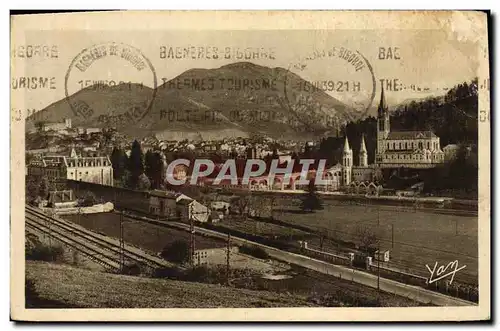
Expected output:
(263, 229)
(414, 238)
(147, 236)
(60, 286)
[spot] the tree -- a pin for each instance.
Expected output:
(367, 238)
(275, 154)
(39, 125)
(43, 187)
(177, 252)
(135, 164)
(153, 166)
(242, 204)
(311, 200)
(143, 183)
(32, 187)
(119, 161)
(89, 199)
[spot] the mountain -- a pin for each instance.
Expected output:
(239, 99)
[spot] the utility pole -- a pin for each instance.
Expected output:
(157, 227)
(392, 235)
(228, 267)
(378, 257)
(191, 237)
(50, 231)
(122, 245)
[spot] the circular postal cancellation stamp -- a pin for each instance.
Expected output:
(113, 83)
(330, 85)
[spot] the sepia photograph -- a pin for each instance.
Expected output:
(305, 165)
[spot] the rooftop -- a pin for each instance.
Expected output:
(411, 135)
(164, 194)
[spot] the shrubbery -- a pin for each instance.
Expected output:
(133, 269)
(42, 252)
(177, 252)
(255, 252)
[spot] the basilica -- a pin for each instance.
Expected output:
(395, 149)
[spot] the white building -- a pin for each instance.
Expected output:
(86, 169)
(57, 126)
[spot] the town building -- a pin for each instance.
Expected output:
(57, 126)
(217, 255)
(163, 203)
(86, 169)
(176, 205)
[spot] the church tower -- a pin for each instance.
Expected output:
(346, 164)
(383, 126)
(363, 154)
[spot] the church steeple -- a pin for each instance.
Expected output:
(363, 154)
(363, 145)
(383, 119)
(382, 106)
(346, 163)
(347, 149)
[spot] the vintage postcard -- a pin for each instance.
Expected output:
(250, 166)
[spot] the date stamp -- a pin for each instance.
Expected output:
(112, 70)
(335, 81)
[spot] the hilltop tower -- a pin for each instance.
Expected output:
(383, 126)
(346, 163)
(67, 122)
(363, 154)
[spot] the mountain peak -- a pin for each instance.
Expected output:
(242, 65)
(242, 96)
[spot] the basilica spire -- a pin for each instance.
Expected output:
(363, 154)
(382, 106)
(346, 145)
(363, 145)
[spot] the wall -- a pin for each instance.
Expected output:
(121, 197)
(98, 175)
(324, 256)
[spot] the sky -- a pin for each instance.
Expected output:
(427, 58)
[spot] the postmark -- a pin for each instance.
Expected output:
(115, 71)
(335, 82)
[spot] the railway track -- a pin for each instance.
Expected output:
(102, 249)
(89, 251)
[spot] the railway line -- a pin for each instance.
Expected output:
(99, 248)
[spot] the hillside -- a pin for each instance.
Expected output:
(236, 99)
(59, 285)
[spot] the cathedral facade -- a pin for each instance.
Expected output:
(395, 149)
